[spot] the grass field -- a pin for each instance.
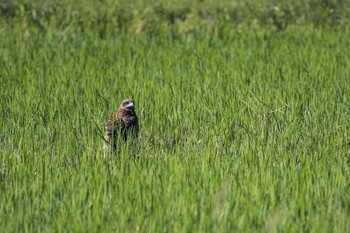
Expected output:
(241, 130)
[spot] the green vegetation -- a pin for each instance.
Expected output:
(244, 122)
(154, 16)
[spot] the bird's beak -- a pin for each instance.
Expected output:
(131, 104)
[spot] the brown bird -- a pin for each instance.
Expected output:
(123, 123)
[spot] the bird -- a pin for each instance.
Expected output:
(122, 124)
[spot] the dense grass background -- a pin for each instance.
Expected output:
(243, 129)
(185, 16)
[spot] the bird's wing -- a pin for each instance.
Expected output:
(110, 127)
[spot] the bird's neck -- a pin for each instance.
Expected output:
(126, 111)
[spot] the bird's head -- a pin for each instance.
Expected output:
(127, 104)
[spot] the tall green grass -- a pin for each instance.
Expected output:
(239, 132)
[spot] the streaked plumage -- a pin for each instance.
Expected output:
(124, 123)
